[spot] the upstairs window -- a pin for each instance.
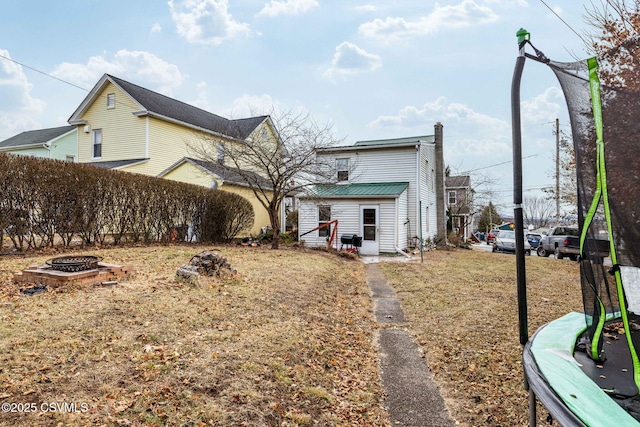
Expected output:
(324, 216)
(111, 100)
(453, 197)
(342, 166)
(96, 142)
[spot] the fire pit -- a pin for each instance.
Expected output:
(71, 264)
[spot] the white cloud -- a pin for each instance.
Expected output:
(17, 106)
(365, 8)
(156, 28)
(201, 101)
(350, 60)
(288, 7)
(465, 14)
(251, 105)
(206, 22)
(467, 132)
(139, 67)
(544, 108)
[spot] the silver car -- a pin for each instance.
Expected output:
(506, 242)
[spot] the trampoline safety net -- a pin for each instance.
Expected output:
(603, 98)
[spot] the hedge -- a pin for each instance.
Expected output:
(44, 202)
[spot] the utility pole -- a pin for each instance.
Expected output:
(558, 170)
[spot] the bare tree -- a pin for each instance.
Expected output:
(616, 29)
(278, 159)
(538, 211)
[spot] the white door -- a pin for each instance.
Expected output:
(369, 220)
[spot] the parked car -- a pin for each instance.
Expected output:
(534, 239)
(491, 236)
(565, 242)
(505, 241)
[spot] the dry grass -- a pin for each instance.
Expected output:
(288, 341)
(462, 307)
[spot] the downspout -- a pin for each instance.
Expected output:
(47, 146)
(146, 137)
(395, 227)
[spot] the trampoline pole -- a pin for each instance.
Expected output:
(518, 219)
(533, 421)
(517, 189)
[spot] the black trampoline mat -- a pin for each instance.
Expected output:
(615, 374)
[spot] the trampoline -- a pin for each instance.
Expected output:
(584, 367)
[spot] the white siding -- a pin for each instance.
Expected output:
(427, 190)
(345, 211)
(403, 216)
(399, 164)
(392, 231)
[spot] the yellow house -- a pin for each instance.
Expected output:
(213, 175)
(128, 127)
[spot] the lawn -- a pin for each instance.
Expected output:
(462, 308)
(286, 341)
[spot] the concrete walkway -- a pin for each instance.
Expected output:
(413, 398)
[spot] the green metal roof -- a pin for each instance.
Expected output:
(378, 189)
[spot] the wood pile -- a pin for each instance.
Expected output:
(206, 263)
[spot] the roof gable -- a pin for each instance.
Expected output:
(166, 108)
(35, 137)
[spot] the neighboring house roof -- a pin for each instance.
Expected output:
(459, 181)
(378, 189)
(117, 164)
(226, 174)
(35, 138)
(169, 109)
(383, 143)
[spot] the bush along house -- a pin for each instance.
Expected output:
(388, 192)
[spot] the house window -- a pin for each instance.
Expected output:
(111, 100)
(220, 153)
(96, 142)
(342, 166)
(70, 158)
(453, 197)
(324, 216)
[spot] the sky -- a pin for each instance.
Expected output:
(370, 69)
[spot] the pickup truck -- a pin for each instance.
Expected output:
(565, 241)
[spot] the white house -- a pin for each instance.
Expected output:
(387, 191)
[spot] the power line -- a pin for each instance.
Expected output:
(564, 22)
(43, 73)
(497, 164)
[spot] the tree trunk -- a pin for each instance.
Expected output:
(275, 226)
